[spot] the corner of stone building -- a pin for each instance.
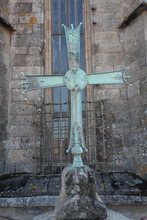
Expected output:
(135, 57)
(5, 36)
(124, 106)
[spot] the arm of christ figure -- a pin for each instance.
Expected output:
(116, 77)
(42, 81)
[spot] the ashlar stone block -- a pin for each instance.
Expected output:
(25, 7)
(106, 37)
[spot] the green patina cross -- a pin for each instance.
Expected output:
(75, 79)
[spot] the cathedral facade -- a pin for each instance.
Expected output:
(34, 127)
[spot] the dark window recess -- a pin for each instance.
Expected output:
(64, 12)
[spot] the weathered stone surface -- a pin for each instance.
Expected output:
(4, 85)
(118, 187)
(120, 143)
(5, 10)
(78, 197)
(112, 215)
(23, 7)
(115, 216)
(27, 40)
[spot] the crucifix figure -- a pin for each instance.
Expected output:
(75, 79)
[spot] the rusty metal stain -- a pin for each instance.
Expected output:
(24, 14)
(32, 20)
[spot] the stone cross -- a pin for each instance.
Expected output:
(75, 79)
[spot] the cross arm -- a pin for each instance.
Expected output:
(116, 77)
(42, 81)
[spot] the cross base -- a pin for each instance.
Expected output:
(78, 198)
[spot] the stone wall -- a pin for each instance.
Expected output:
(27, 46)
(4, 90)
(135, 57)
(130, 6)
(5, 10)
(108, 55)
(123, 145)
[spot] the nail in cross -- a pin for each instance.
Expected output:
(75, 79)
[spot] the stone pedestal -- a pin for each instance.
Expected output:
(78, 197)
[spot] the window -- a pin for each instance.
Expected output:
(57, 100)
(63, 12)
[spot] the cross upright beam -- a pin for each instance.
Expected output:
(75, 79)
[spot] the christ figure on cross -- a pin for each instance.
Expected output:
(75, 79)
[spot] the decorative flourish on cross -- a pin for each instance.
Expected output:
(75, 79)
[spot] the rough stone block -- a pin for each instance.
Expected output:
(136, 26)
(25, 120)
(27, 131)
(102, 68)
(4, 58)
(111, 21)
(105, 6)
(37, 7)
(119, 60)
(27, 40)
(22, 109)
(21, 19)
(115, 117)
(23, 7)
(34, 50)
(123, 93)
(97, 22)
(20, 50)
(116, 105)
(23, 28)
(103, 59)
(20, 160)
(135, 102)
(78, 197)
(34, 60)
(19, 60)
(38, 28)
(119, 128)
(106, 37)
(134, 89)
(29, 142)
(4, 10)
(107, 48)
(24, 1)
(16, 156)
(106, 94)
(28, 20)
(136, 115)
